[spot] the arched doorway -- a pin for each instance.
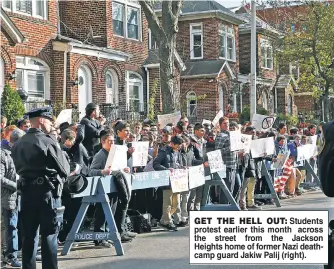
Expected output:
(84, 88)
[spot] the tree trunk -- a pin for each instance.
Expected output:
(326, 104)
(166, 53)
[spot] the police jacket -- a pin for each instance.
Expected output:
(8, 180)
(37, 154)
(93, 129)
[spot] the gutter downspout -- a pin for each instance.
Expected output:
(65, 78)
(147, 89)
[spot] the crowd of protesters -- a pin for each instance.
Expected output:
(87, 144)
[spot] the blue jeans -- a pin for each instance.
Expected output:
(10, 221)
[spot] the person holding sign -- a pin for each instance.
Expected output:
(98, 168)
(169, 158)
(230, 158)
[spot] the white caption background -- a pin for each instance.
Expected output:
(266, 237)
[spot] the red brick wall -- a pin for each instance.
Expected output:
(304, 103)
(154, 74)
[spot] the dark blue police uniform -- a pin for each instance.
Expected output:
(42, 167)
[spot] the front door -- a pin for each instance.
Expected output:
(84, 89)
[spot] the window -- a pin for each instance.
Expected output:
(126, 19)
(32, 75)
(191, 104)
(196, 41)
(35, 8)
(294, 70)
(227, 43)
(111, 88)
(135, 100)
(266, 54)
(152, 42)
(290, 104)
(265, 100)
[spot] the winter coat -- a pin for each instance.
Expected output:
(8, 181)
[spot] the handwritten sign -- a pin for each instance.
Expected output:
(218, 116)
(246, 141)
(196, 176)
(152, 179)
(235, 140)
(117, 158)
(216, 161)
(305, 152)
(64, 116)
(169, 118)
(140, 155)
(179, 180)
(206, 122)
(262, 122)
(281, 160)
(262, 147)
(312, 140)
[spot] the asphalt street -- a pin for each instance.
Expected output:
(160, 250)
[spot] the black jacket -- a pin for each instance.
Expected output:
(37, 154)
(92, 130)
(8, 180)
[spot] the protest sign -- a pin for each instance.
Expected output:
(179, 180)
(246, 141)
(262, 147)
(152, 179)
(169, 118)
(216, 119)
(281, 160)
(312, 140)
(140, 155)
(262, 123)
(216, 161)
(206, 122)
(117, 158)
(235, 140)
(64, 116)
(305, 152)
(196, 176)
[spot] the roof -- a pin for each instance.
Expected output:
(260, 25)
(153, 59)
(283, 81)
(63, 43)
(204, 7)
(206, 68)
(9, 26)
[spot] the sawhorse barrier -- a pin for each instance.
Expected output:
(269, 180)
(96, 192)
(217, 179)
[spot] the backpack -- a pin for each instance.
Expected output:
(326, 160)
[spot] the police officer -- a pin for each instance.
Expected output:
(42, 168)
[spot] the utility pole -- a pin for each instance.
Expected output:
(253, 100)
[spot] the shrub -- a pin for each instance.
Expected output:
(11, 105)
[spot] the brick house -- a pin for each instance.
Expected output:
(75, 52)
(275, 91)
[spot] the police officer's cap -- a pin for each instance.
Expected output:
(43, 112)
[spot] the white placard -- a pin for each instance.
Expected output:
(312, 140)
(206, 122)
(64, 116)
(169, 118)
(196, 176)
(117, 158)
(259, 237)
(179, 180)
(262, 123)
(281, 160)
(246, 141)
(235, 140)
(305, 152)
(263, 147)
(216, 161)
(216, 119)
(140, 155)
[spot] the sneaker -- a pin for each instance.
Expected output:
(182, 224)
(170, 227)
(104, 244)
(125, 238)
(38, 258)
(254, 207)
(14, 263)
(131, 234)
(243, 208)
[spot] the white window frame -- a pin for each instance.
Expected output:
(150, 39)
(296, 66)
(189, 94)
(192, 33)
(227, 32)
(25, 67)
(265, 100)
(114, 81)
(135, 82)
(265, 45)
(130, 4)
(33, 9)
